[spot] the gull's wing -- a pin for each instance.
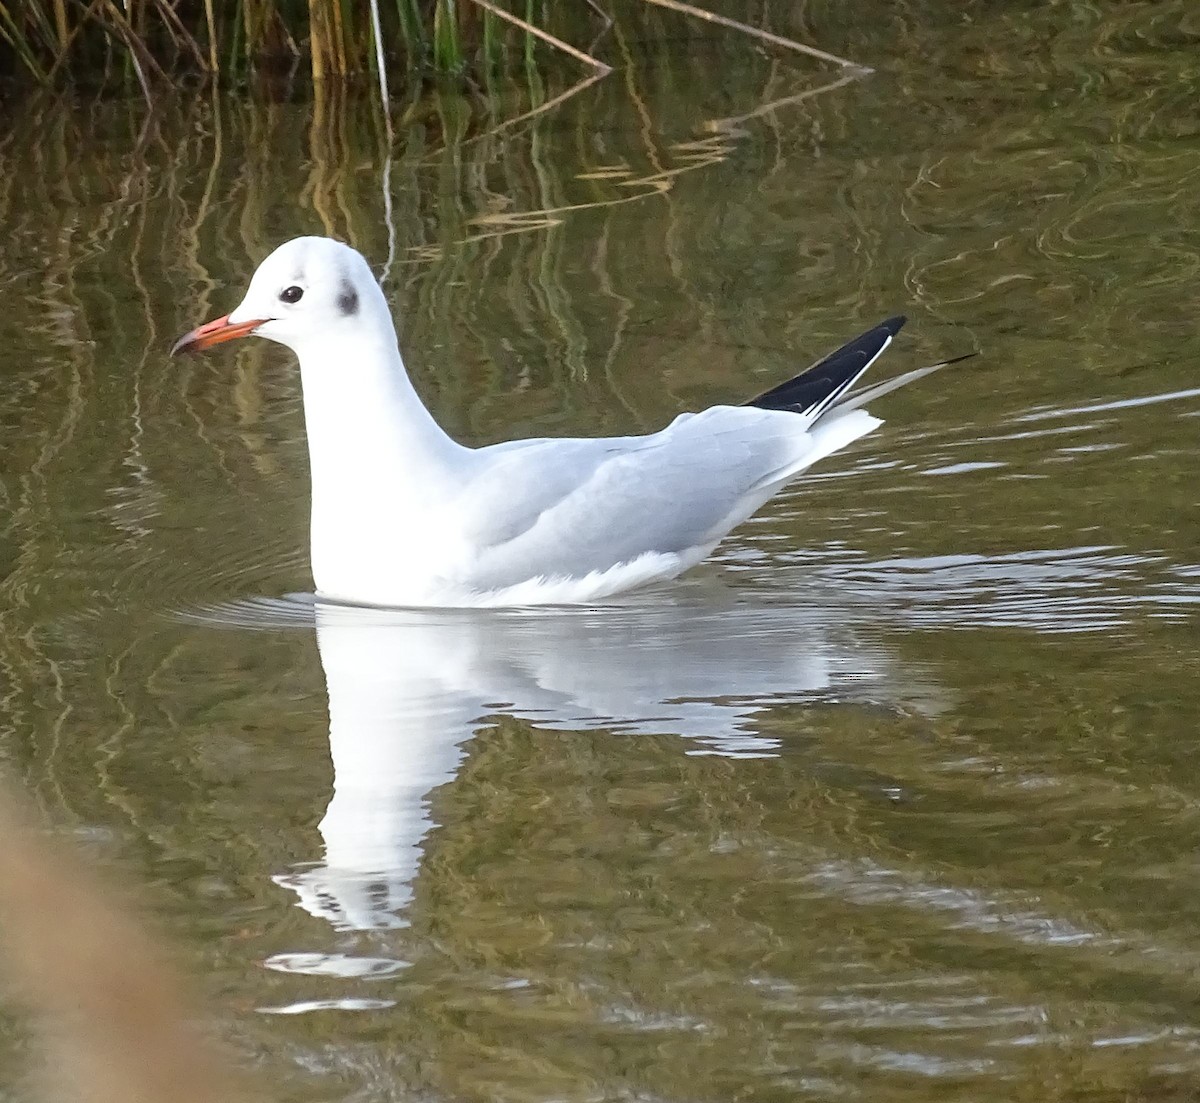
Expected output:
(571, 507)
(566, 508)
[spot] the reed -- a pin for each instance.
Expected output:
(155, 43)
(45, 40)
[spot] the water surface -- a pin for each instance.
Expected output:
(896, 800)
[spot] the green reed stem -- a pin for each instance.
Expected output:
(412, 29)
(529, 38)
(155, 41)
(491, 44)
(447, 46)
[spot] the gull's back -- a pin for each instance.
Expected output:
(574, 520)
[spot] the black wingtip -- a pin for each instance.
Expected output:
(825, 382)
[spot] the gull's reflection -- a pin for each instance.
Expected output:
(408, 689)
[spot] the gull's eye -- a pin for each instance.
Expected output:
(291, 294)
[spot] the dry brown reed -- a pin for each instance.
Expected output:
(153, 41)
(223, 39)
(113, 1024)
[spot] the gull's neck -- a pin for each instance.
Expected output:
(381, 466)
(361, 410)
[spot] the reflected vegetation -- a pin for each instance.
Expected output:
(896, 800)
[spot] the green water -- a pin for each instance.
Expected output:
(897, 800)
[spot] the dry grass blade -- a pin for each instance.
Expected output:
(339, 37)
(381, 67)
(317, 38)
(140, 57)
(545, 36)
(180, 33)
(731, 122)
(766, 36)
(15, 37)
(65, 49)
(211, 22)
(600, 12)
(60, 22)
(36, 14)
(524, 117)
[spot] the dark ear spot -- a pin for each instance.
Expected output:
(347, 300)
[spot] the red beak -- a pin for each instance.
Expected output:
(214, 332)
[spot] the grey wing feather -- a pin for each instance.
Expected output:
(605, 502)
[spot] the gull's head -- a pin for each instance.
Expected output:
(310, 288)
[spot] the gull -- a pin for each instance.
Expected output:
(402, 515)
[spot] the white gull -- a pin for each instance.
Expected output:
(404, 516)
